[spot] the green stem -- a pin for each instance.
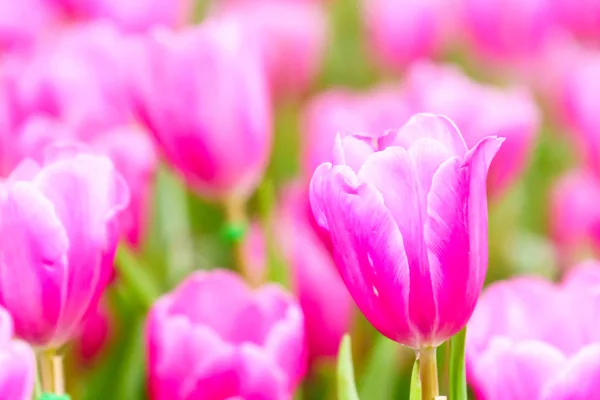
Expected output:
(237, 220)
(428, 373)
(135, 276)
(458, 380)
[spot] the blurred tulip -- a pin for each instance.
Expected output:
(81, 77)
(324, 299)
(14, 33)
(17, 369)
(401, 31)
(131, 15)
(293, 36)
(530, 339)
(340, 111)
(407, 214)
(575, 215)
(479, 111)
(582, 18)
(59, 234)
(213, 338)
(209, 112)
(508, 31)
(95, 331)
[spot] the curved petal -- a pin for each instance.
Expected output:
(509, 371)
(17, 371)
(368, 248)
(260, 377)
(34, 267)
(579, 380)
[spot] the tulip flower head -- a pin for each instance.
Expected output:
(17, 369)
(407, 216)
(213, 338)
(59, 234)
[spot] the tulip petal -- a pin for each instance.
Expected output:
(579, 380)
(17, 371)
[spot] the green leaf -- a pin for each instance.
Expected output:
(379, 377)
(458, 378)
(415, 382)
(345, 372)
(135, 276)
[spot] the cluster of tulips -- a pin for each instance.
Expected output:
(219, 200)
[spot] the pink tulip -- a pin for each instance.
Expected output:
(575, 216)
(541, 342)
(59, 234)
(17, 369)
(340, 111)
(323, 297)
(479, 111)
(14, 33)
(293, 36)
(401, 31)
(213, 338)
(94, 334)
(508, 31)
(407, 215)
(209, 112)
(131, 15)
(579, 96)
(581, 18)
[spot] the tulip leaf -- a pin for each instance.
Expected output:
(345, 372)
(135, 276)
(415, 382)
(379, 377)
(458, 378)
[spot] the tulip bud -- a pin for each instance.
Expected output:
(407, 215)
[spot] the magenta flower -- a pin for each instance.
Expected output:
(59, 233)
(93, 335)
(17, 369)
(325, 301)
(209, 112)
(402, 31)
(14, 33)
(479, 111)
(531, 340)
(213, 338)
(293, 37)
(407, 215)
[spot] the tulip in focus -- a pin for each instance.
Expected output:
(59, 233)
(402, 31)
(324, 299)
(407, 215)
(213, 338)
(209, 112)
(531, 340)
(479, 111)
(17, 368)
(292, 35)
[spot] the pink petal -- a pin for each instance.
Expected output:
(579, 380)
(17, 371)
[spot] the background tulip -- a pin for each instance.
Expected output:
(17, 370)
(213, 338)
(218, 135)
(418, 278)
(62, 220)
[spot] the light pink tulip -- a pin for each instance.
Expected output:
(14, 32)
(531, 340)
(17, 369)
(575, 215)
(407, 215)
(130, 15)
(59, 234)
(401, 31)
(324, 299)
(508, 31)
(209, 111)
(293, 36)
(213, 338)
(341, 111)
(479, 111)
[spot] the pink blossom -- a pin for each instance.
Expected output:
(293, 36)
(203, 96)
(39, 15)
(59, 234)
(17, 369)
(479, 111)
(213, 338)
(401, 31)
(94, 333)
(531, 340)
(407, 215)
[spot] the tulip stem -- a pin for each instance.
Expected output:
(237, 220)
(51, 368)
(428, 373)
